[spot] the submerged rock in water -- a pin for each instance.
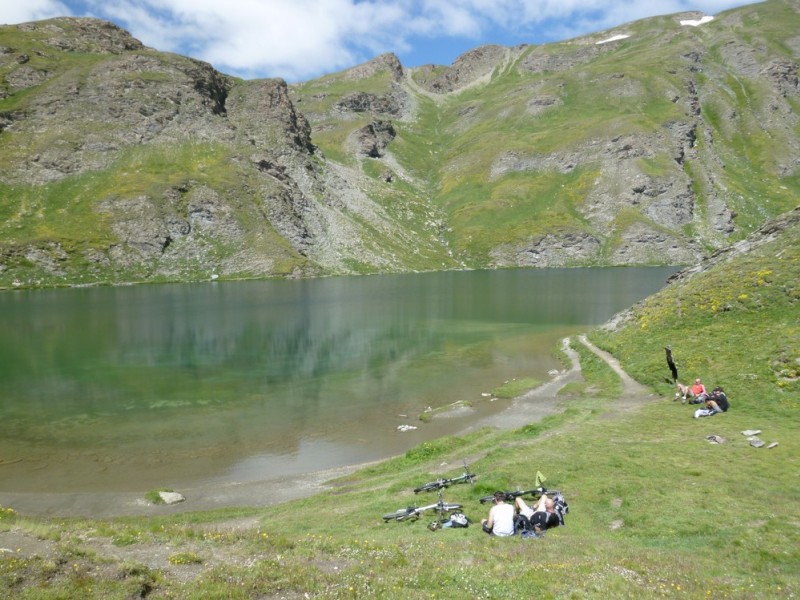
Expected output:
(171, 497)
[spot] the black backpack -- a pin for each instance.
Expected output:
(522, 524)
(560, 507)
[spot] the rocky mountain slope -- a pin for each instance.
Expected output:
(655, 143)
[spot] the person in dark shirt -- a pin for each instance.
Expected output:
(717, 400)
(541, 517)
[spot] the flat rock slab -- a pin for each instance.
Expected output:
(171, 497)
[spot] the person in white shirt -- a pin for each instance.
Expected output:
(501, 517)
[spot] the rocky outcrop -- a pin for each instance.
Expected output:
(466, 69)
(783, 74)
(265, 116)
(362, 102)
(387, 62)
(655, 246)
(550, 250)
(76, 34)
(123, 101)
(768, 232)
(373, 138)
(542, 60)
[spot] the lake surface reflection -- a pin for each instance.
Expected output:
(131, 388)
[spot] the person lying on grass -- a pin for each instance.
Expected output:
(540, 518)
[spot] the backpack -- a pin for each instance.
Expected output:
(522, 524)
(459, 519)
(560, 507)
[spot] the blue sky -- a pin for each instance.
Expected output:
(303, 39)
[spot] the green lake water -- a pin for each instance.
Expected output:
(130, 388)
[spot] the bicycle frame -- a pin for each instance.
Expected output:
(443, 483)
(414, 512)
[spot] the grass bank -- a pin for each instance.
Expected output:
(656, 510)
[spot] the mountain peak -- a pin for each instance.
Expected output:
(384, 62)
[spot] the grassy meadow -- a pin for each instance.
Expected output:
(656, 510)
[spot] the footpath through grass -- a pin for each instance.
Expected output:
(656, 510)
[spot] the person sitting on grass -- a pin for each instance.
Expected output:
(696, 391)
(717, 402)
(540, 518)
(501, 517)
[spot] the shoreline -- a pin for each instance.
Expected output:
(530, 407)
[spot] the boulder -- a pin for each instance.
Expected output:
(171, 497)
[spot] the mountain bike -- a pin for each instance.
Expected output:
(510, 496)
(414, 512)
(443, 483)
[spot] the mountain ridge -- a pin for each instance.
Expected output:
(650, 143)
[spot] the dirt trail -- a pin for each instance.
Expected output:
(538, 402)
(632, 391)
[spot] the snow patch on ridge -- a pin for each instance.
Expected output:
(696, 22)
(613, 39)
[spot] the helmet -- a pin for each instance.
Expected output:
(435, 525)
(459, 519)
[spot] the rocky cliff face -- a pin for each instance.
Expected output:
(655, 143)
(165, 169)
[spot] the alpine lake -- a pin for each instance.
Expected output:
(135, 387)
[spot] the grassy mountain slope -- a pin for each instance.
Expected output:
(653, 148)
(122, 163)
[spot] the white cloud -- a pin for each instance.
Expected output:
(288, 38)
(31, 10)
(299, 39)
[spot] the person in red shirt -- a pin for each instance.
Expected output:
(699, 393)
(696, 391)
